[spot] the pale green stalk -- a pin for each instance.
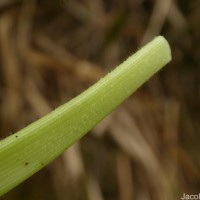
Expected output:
(27, 151)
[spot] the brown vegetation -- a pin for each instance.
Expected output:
(50, 51)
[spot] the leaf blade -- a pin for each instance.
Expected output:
(27, 151)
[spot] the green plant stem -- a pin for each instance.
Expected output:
(27, 151)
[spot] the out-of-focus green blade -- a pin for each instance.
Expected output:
(27, 151)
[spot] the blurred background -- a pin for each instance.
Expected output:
(148, 149)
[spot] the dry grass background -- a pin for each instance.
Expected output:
(148, 149)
